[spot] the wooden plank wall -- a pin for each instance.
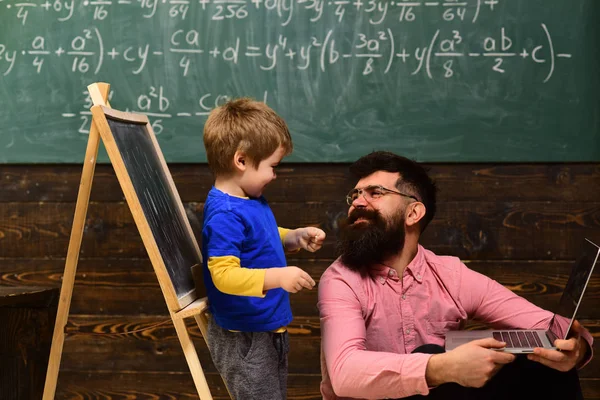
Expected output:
(521, 224)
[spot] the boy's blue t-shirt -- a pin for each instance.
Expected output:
(244, 228)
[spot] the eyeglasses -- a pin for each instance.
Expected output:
(373, 192)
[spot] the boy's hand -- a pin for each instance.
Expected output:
(293, 279)
(310, 238)
(290, 279)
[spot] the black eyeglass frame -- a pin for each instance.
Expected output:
(360, 192)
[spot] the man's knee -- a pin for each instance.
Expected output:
(429, 349)
(527, 378)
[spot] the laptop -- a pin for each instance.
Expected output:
(521, 341)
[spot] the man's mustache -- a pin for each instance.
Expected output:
(364, 214)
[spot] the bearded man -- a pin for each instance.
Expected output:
(386, 304)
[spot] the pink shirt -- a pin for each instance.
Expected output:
(371, 323)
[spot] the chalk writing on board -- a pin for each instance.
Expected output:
(88, 51)
(156, 104)
(221, 10)
(444, 76)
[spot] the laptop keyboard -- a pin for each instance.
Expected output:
(518, 339)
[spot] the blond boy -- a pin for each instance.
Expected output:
(245, 272)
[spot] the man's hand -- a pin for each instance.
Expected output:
(309, 238)
(471, 365)
(290, 279)
(570, 355)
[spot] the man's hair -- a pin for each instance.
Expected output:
(414, 179)
(246, 125)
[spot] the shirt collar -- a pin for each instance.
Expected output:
(417, 266)
(381, 273)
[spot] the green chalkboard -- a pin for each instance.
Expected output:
(454, 80)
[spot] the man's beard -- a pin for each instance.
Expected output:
(372, 241)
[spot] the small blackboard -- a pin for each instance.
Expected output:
(153, 200)
(160, 218)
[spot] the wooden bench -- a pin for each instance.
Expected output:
(27, 317)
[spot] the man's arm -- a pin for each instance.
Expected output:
(471, 365)
(574, 352)
(353, 370)
(488, 301)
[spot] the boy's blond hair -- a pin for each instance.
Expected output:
(246, 125)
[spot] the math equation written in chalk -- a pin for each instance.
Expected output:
(186, 45)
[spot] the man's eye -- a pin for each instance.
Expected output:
(376, 193)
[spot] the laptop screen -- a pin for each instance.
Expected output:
(578, 280)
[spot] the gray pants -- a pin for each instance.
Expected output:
(253, 364)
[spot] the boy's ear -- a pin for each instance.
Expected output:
(240, 161)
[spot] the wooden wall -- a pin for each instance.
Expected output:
(521, 224)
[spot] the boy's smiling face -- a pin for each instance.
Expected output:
(255, 179)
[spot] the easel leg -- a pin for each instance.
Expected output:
(192, 359)
(202, 322)
(66, 291)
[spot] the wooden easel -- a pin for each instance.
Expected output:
(192, 307)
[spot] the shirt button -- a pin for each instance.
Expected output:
(418, 276)
(403, 297)
(408, 331)
(381, 279)
(392, 272)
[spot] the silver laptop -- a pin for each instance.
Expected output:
(524, 341)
